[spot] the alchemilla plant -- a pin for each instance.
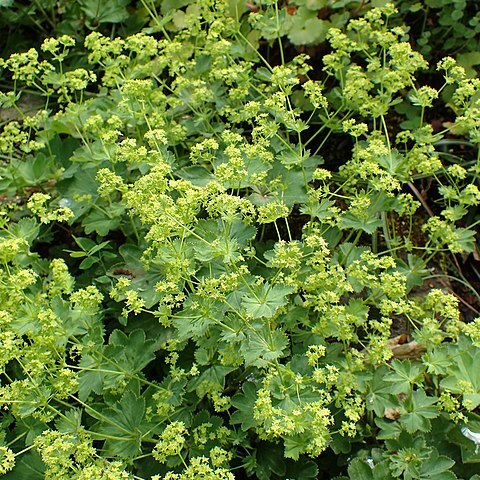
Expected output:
(218, 263)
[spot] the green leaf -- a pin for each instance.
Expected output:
(302, 469)
(379, 396)
(197, 316)
(221, 240)
(318, 210)
(244, 403)
(359, 469)
(407, 455)
(419, 410)
(237, 8)
(26, 229)
(436, 465)
(438, 360)
(214, 375)
(369, 225)
(468, 60)
(199, 176)
(415, 270)
(306, 28)
(316, 4)
(88, 263)
(210, 424)
(264, 300)
(292, 187)
(262, 346)
(294, 156)
(381, 471)
(130, 354)
(131, 254)
(340, 444)
(464, 371)
(465, 237)
(30, 427)
(70, 422)
(89, 246)
(405, 375)
(32, 399)
(269, 459)
(81, 184)
(370, 220)
(92, 376)
(34, 170)
(294, 446)
(125, 421)
(27, 467)
(395, 164)
(108, 365)
(388, 429)
(94, 154)
(104, 220)
(169, 5)
(105, 11)
(6, 3)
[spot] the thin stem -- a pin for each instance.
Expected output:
(420, 198)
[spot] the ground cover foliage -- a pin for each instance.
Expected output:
(236, 237)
